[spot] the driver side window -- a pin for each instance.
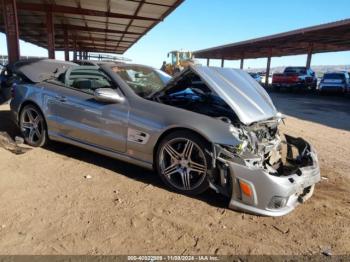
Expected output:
(87, 80)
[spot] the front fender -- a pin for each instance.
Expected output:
(155, 119)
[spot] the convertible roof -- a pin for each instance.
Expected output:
(37, 70)
(110, 26)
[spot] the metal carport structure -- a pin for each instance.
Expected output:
(81, 26)
(330, 37)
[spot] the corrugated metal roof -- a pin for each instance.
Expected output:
(328, 37)
(111, 26)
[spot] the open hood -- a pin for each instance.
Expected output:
(239, 90)
(38, 70)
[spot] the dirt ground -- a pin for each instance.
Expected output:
(48, 206)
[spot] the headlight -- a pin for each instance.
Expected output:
(238, 149)
(248, 140)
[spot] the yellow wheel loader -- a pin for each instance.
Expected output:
(179, 60)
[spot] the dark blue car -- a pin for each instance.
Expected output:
(7, 79)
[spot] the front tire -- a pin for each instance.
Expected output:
(33, 126)
(182, 162)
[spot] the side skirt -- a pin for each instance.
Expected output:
(109, 153)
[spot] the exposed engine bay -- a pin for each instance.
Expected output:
(260, 141)
(191, 93)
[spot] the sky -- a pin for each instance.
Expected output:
(200, 24)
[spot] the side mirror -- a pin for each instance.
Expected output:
(108, 95)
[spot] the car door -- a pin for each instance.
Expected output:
(79, 117)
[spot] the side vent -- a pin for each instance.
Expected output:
(137, 136)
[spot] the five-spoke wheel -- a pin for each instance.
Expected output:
(182, 162)
(33, 126)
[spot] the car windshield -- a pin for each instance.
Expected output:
(334, 76)
(296, 70)
(144, 81)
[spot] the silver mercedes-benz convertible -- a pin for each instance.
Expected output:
(205, 128)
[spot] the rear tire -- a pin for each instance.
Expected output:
(33, 126)
(182, 162)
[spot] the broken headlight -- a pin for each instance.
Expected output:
(248, 140)
(238, 149)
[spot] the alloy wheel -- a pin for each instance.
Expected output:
(183, 164)
(32, 125)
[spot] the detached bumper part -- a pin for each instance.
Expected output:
(256, 190)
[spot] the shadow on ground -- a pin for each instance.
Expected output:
(329, 110)
(119, 167)
(7, 125)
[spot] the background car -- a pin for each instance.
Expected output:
(296, 78)
(263, 77)
(8, 78)
(256, 76)
(335, 82)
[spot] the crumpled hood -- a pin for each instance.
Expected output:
(38, 69)
(240, 91)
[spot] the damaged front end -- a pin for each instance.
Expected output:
(265, 175)
(258, 171)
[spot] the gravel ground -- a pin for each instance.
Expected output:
(65, 200)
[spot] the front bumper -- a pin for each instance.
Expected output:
(299, 85)
(273, 195)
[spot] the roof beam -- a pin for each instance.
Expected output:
(85, 46)
(78, 11)
(40, 16)
(79, 38)
(149, 3)
(94, 49)
(108, 6)
(174, 6)
(132, 20)
(86, 24)
(81, 45)
(78, 28)
(57, 16)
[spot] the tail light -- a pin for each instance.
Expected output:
(295, 78)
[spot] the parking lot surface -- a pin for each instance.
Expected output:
(332, 111)
(65, 200)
